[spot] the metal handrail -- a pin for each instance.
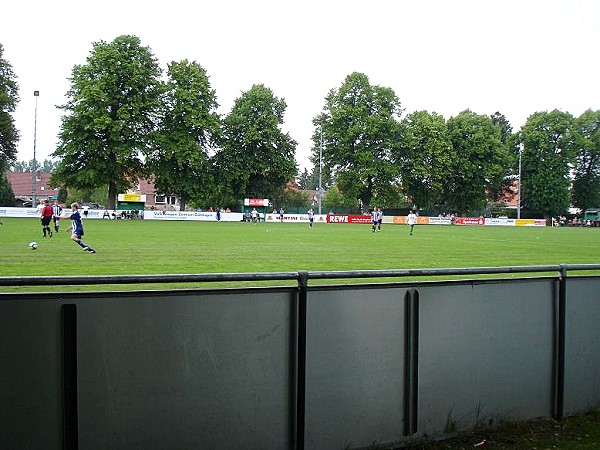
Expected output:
(272, 276)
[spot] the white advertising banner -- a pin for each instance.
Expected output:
(268, 217)
(289, 218)
(192, 215)
(500, 221)
(6, 211)
(440, 221)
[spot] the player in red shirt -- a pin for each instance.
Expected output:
(47, 214)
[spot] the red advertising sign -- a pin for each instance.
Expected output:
(470, 221)
(256, 202)
(345, 218)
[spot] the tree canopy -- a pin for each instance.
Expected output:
(426, 158)
(360, 131)
(9, 97)
(586, 180)
(47, 165)
(479, 159)
(188, 133)
(546, 162)
(9, 135)
(256, 158)
(110, 117)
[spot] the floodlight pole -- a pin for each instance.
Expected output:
(36, 94)
(521, 145)
(320, 171)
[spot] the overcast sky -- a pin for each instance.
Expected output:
(513, 56)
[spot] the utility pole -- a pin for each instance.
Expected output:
(36, 94)
(521, 145)
(320, 171)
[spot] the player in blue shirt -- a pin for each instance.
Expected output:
(77, 228)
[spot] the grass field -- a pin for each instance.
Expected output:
(155, 247)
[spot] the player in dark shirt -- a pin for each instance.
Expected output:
(77, 228)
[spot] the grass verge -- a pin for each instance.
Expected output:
(580, 432)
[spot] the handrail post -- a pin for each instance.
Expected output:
(411, 361)
(561, 343)
(300, 363)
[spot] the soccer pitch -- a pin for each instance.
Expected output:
(157, 247)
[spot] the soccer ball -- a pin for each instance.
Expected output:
(33, 245)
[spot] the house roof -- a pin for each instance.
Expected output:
(22, 184)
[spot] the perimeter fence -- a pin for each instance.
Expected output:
(307, 366)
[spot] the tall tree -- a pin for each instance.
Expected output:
(359, 128)
(478, 160)
(257, 157)
(110, 117)
(546, 162)
(426, 158)
(9, 97)
(505, 127)
(304, 180)
(586, 182)
(510, 140)
(188, 134)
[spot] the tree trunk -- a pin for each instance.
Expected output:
(112, 195)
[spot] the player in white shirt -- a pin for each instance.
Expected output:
(411, 220)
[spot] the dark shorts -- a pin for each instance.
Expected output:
(46, 220)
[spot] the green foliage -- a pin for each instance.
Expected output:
(336, 201)
(478, 162)
(97, 195)
(546, 160)
(503, 124)
(189, 129)
(305, 180)
(7, 196)
(586, 182)
(293, 198)
(109, 119)
(391, 198)
(359, 130)
(256, 158)
(425, 158)
(62, 195)
(47, 166)
(9, 97)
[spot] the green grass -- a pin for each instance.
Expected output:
(155, 247)
(580, 432)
